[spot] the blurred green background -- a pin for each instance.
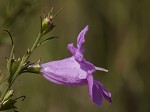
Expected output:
(118, 39)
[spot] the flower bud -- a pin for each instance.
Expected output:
(47, 25)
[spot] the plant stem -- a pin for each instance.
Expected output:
(21, 66)
(26, 57)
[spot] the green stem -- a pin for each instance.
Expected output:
(36, 42)
(26, 57)
(21, 66)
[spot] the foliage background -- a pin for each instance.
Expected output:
(118, 39)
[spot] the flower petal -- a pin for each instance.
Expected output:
(76, 53)
(81, 38)
(106, 93)
(67, 72)
(94, 90)
(71, 48)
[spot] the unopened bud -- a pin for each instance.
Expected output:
(47, 25)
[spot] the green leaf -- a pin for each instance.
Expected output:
(42, 42)
(58, 12)
(12, 51)
(12, 41)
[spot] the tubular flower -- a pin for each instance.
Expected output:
(76, 71)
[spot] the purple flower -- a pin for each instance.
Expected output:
(76, 71)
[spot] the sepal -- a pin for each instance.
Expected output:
(33, 68)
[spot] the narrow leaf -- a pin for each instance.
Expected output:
(12, 51)
(10, 37)
(42, 42)
(58, 12)
(52, 10)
